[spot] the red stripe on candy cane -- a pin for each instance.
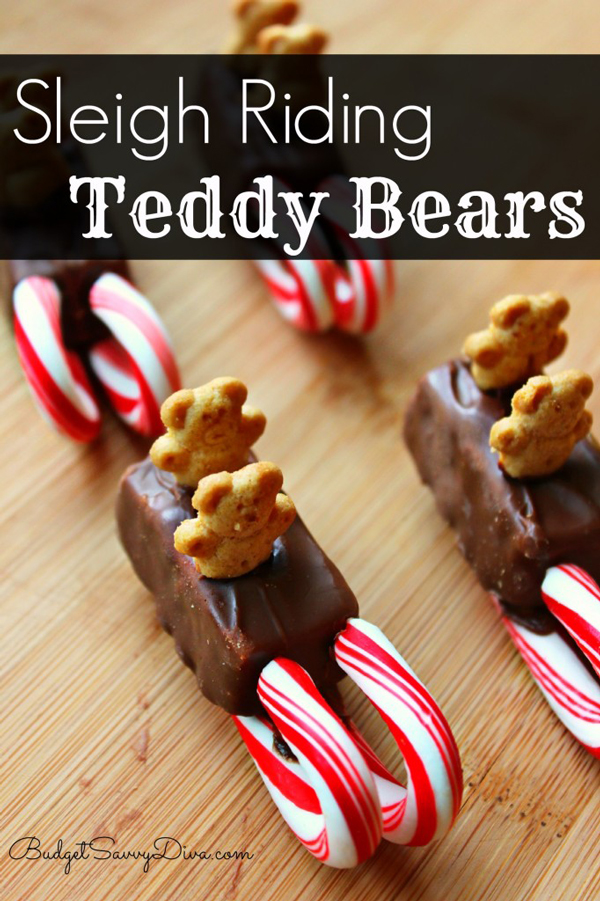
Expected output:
(321, 742)
(574, 599)
(568, 686)
(345, 827)
(338, 796)
(277, 768)
(434, 774)
(136, 366)
(55, 375)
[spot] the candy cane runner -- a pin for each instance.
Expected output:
(364, 288)
(434, 788)
(337, 796)
(136, 366)
(301, 290)
(55, 375)
(570, 689)
(573, 597)
(314, 295)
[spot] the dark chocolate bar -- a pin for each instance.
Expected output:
(227, 630)
(509, 530)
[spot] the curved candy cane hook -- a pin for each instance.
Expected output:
(568, 686)
(571, 690)
(55, 375)
(327, 795)
(136, 367)
(301, 290)
(574, 599)
(428, 807)
(327, 792)
(364, 287)
(314, 295)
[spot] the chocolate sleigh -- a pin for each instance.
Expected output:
(534, 543)
(75, 316)
(342, 288)
(269, 647)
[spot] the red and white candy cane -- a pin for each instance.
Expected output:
(338, 820)
(337, 796)
(574, 599)
(301, 290)
(434, 784)
(570, 688)
(136, 366)
(55, 375)
(364, 288)
(314, 295)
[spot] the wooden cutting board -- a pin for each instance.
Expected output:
(103, 730)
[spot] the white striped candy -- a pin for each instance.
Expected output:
(348, 826)
(136, 366)
(301, 291)
(326, 795)
(568, 686)
(434, 786)
(574, 599)
(363, 292)
(314, 295)
(55, 375)
(364, 287)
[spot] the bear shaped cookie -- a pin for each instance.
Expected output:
(208, 430)
(524, 335)
(548, 419)
(287, 39)
(240, 515)
(254, 15)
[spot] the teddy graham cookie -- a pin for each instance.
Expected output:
(269, 626)
(507, 451)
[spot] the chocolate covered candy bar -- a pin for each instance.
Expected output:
(511, 531)
(227, 630)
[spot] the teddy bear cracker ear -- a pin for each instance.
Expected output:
(210, 492)
(268, 476)
(174, 409)
(531, 395)
(232, 389)
(559, 306)
(288, 39)
(506, 313)
(209, 430)
(582, 382)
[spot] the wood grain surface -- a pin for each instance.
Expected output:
(103, 730)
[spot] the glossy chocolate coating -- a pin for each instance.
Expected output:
(227, 630)
(509, 530)
(80, 328)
